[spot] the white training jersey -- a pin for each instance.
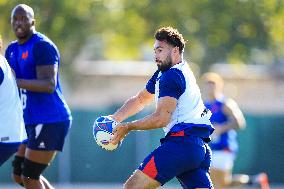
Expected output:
(12, 128)
(190, 110)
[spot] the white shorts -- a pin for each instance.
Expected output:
(222, 160)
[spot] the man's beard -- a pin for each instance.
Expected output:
(165, 65)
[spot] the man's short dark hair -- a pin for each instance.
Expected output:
(25, 7)
(171, 36)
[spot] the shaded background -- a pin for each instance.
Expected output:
(106, 49)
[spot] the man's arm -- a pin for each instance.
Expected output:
(236, 118)
(160, 118)
(45, 82)
(133, 105)
(46, 59)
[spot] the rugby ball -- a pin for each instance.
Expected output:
(102, 131)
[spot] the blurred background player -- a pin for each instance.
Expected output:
(183, 152)
(35, 60)
(12, 128)
(226, 118)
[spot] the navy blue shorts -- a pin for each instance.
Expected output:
(47, 137)
(7, 150)
(185, 157)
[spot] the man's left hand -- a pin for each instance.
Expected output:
(119, 132)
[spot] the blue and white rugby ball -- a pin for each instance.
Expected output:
(102, 131)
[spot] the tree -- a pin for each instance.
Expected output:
(217, 30)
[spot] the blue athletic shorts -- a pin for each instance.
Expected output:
(7, 150)
(185, 157)
(47, 137)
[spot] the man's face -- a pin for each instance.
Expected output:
(163, 53)
(210, 87)
(22, 23)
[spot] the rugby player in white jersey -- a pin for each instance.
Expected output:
(12, 129)
(183, 152)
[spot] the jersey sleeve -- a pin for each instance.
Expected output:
(7, 52)
(150, 86)
(172, 83)
(45, 53)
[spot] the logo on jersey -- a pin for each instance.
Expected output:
(11, 55)
(205, 111)
(41, 145)
(3, 139)
(38, 129)
(25, 55)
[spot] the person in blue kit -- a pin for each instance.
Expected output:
(227, 118)
(12, 128)
(35, 60)
(180, 111)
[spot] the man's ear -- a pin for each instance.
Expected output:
(33, 22)
(176, 50)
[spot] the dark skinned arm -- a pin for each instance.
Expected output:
(45, 82)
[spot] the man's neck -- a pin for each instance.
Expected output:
(178, 60)
(22, 41)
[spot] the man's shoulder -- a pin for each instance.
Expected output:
(41, 38)
(172, 73)
(43, 42)
(12, 44)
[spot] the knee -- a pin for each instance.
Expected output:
(131, 186)
(17, 169)
(29, 182)
(32, 170)
(140, 181)
(17, 179)
(26, 180)
(132, 183)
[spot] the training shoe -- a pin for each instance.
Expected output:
(262, 180)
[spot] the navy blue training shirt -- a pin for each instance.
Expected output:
(38, 107)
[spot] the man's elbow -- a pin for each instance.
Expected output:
(50, 90)
(239, 125)
(51, 87)
(242, 125)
